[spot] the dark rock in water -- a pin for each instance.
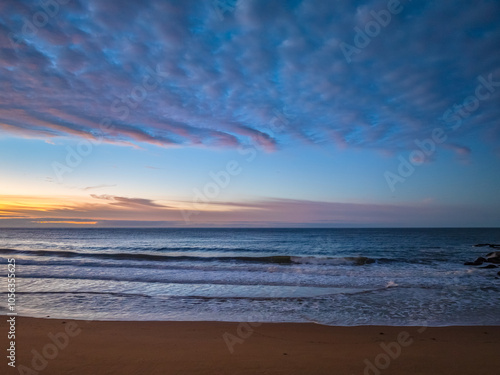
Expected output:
(493, 257)
(495, 246)
(489, 266)
(477, 262)
(498, 273)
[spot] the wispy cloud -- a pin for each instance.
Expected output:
(150, 167)
(97, 187)
(123, 201)
(72, 222)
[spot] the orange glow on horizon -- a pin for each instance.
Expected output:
(23, 203)
(91, 209)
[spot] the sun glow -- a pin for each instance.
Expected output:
(23, 204)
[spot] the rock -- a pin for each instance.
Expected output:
(498, 273)
(489, 266)
(495, 246)
(477, 262)
(493, 257)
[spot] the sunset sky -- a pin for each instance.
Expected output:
(249, 113)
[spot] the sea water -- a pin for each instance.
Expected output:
(329, 276)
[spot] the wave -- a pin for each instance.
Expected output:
(145, 249)
(274, 259)
(303, 297)
(170, 297)
(359, 260)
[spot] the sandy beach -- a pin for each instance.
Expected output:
(50, 346)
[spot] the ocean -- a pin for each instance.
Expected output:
(345, 277)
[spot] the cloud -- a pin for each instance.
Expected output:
(86, 208)
(97, 187)
(269, 212)
(123, 201)
(59, 222)
(273, 211)
(173, 73)
(460, 151)
(150, 167)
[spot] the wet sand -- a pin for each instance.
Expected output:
(47, 346)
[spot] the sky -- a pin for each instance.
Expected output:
(249, 113)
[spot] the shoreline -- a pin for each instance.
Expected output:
(49, 318)
(57, 346)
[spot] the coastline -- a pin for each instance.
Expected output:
(55, 346)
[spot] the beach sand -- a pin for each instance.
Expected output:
(95, 348)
